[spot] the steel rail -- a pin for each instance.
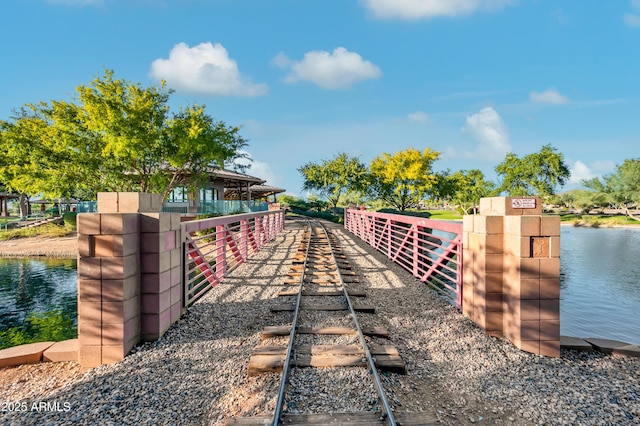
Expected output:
(277, 416)
(388, 414)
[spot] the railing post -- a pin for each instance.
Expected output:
(244, 236)
(221, 259)
(415, 245)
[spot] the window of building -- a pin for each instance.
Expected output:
(179, 195)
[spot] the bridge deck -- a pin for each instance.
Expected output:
(197, 372)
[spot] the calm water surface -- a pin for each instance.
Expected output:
(36, 285)
(600, 283)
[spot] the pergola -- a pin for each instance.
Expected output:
(4, 202)
(237, 186)
(257, 192)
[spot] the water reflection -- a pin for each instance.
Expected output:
(36, 285)
(600, 283)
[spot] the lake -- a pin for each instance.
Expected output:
(600, 285)
(36, 285)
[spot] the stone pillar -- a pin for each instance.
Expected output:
(128, 275)
(511, 273)
(160, 273)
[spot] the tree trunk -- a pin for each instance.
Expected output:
(23, 205)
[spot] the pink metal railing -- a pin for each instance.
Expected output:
(430, 249)
(214, 247)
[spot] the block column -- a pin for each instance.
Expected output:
(532, 283)
(511, 273)
(160, 274)
(129, 282)
(483, 268)
(108, 287)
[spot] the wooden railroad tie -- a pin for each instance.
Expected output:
(287, 307)
(271, 358)
(352, 293)
(364, 418)
(285, 330)
(322, 281)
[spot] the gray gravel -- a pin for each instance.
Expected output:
(197, 373)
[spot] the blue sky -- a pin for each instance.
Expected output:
(471, 79)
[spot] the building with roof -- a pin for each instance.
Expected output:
(227, 191)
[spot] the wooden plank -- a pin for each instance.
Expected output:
(314, 273)
(274, 331)
(353, 419)
(259, 364)
(352, 293)
(286, 307)
(390, 363)
(328, 361)
(393, 364)
(270, 350)
(376, 349)
(327, 349)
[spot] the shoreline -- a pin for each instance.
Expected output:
(62, 247)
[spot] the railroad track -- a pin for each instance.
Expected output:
(325, 335)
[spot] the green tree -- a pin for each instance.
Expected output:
(402, 179)
(468, 187)
(621, 188)
(150, 150)
(332, 178)
(117, 136)
(534, 174)
(583, 200)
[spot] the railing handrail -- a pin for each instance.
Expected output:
(227, 243)
(212, 222)
(412, 243)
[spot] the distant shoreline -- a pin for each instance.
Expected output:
(63, 247)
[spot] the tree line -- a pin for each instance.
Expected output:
(405, 178)
(619, 190)
(114, 136)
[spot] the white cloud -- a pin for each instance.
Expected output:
(631, 20)
(417, 9)
(418, 117)
(260, 169)
(339, 69)
(579, 172)
(603, 167)
(549, 96)
(205, 68)
(487, 128)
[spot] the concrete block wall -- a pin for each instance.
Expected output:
(108, 287)
(128, 275)
(511, 273)
(160, 273)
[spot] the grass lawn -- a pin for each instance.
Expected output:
(597, 220)
(48, 230)
(445, 215)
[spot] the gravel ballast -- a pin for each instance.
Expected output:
(197, 372)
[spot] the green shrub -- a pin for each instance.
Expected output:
(321, 215)
(425, 215)
(70, 219)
